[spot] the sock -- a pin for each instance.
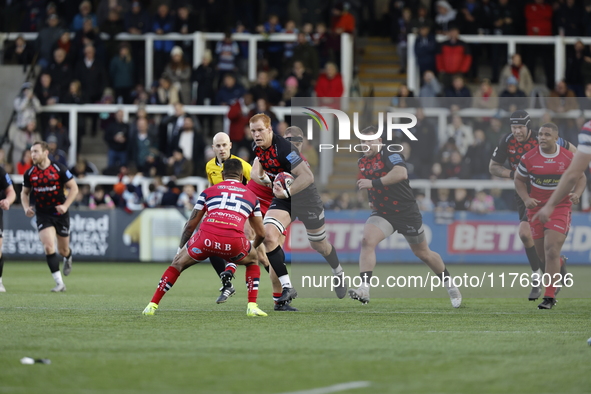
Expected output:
(445, 278)
(550, 292)
(534, 260)
(253, 273)
(266, 268)
(276, 296)
(69, 254)
(366, 277)
(1, 267)
(277, 260)
(333, 260)
(285, 281)
(57, 276)
(231, 267)
(168, 278)
(53, 262)
(218, 264)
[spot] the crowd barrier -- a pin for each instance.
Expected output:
(153, 235)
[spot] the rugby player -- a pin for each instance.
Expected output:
(228, 205)
(394, 209)
(541, 169)
(7, 189)
(47, 180)
(511, 147)
(276, 155)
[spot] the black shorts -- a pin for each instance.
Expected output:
(408, 223)
(60, 222)
(521, 208)
(310, 213)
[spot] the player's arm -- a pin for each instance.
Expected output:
(521, 189)
(25, 194)
(191, 225)
(256, 222)
(258, 175)
(499, 157)
(396, 174)
(73, 186)
(10, 197)
(303, 178)
(575, 196)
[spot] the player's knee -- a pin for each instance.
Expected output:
(552, 252)
(64, 251)
(368, 243)
(422, 254)
(49, 249)
(525, 234)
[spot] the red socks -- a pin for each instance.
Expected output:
(168, 278)
(253, 273)
(550, 292)
(231, 267)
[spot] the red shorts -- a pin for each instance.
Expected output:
(263, 193)
(203, 245)
(559, 221)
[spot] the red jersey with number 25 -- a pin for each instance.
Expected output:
(228, 205)
(544, 172)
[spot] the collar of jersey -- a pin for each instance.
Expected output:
(547, 156)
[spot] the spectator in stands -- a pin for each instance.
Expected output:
(83, 167)
(410, 160)
(55, 129)
(167, 93)
(485, 96)
(425, 204)
(170, 128)
(499, 200)
(404, 28)
(227, 51)
(453, 168)
(24, 139)
(404, 98)
(65, 42)
(92, 75)
(55, 154)
(561, 99)
(238, 117)
(137, 20)
(186, 22)
(478, 156)
(288, 46)
(569, 19)
(47, 38)
(512, 98)
(75, 94)
(342, 20)
(487, 15)
(461, 133)
(99, 200)
(229, 91)
(506, 18)
(482, 203)
(342, 202)
(178, 165)
(162, 23)
(444, 208)
(425, 146)
(179, 73)
(575, 61)
(45, 91)
(453, 56)
(321, 41)
(461, 200)
(25, 162)
(329, 84)
(122, 73)
(204, 75)
(188, 198)
(430, 90)
(19, 52)
(117, 139)
(192, 143)
(156, 189)
(459, 96)
(106, 6)
(273, 50)
(306, 55)
(81, 200)
(26, 106)
(141, 145)
(290, 91)
(262, 107)
(112, 26)
(85, 13)
(446, 16)
(538, 22)
(585, 101)
(520, 71)
(421, 18)
(263, 90)
(304, 79)
(61, 72)
(425, 49)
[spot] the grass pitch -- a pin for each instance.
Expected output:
(99, 342)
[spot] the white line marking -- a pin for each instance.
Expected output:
(334, 388)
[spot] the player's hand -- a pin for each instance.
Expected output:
(30, 212)
(543, 215)
(573, 198)
(364, 184)
(531, 203)
(61, 209)
(4, 204)
(279, 191)
(371, 205)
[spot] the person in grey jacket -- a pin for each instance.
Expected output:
(26, 106)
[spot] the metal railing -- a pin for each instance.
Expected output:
(199, 40)
(559, 43)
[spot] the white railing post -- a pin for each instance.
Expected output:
(346, 62)
(252, 58)
(559, 59)
(326, 158)
(73, 120)
(411, 65)
(149, 60)
(511, 49)
(198, 48)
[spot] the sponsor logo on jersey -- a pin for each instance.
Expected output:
(196, 250)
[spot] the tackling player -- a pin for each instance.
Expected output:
(47, 180)
(394, 209)
(228, 205)
(511, 147)
(7, 189)
(541, 169)
(301, 201)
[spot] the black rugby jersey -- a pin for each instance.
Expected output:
(388, 198)
(5, 182)
(47, 186)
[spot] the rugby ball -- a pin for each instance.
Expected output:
(285, 179)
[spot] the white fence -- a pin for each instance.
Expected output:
(559, 42)
(199, 41)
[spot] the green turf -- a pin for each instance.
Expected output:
(99, 343)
